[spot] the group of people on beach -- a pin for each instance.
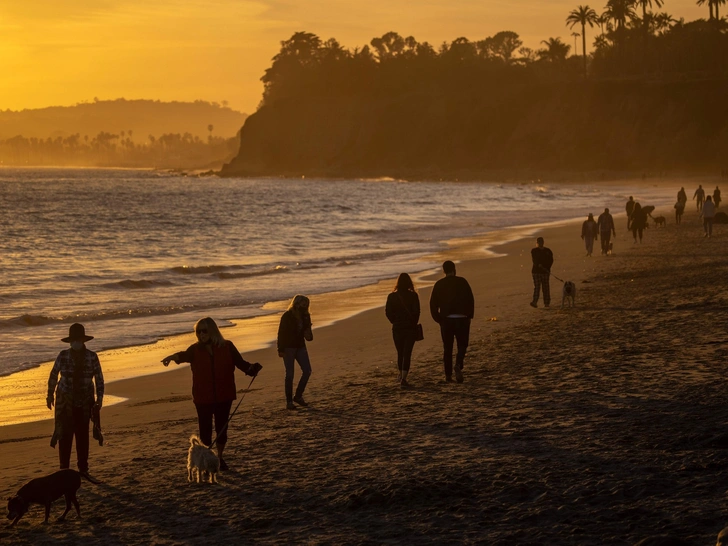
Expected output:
(79, 394)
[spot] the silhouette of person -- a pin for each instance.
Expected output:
(708, 214)
(589, 233)
(452, 306)
(716, 197)
(682, 197)
(606, 230)
(403, 311)
(542, 259)
(629, 207)
(699, 197)
(293, 333)
(73, 397)
(213, 360)
(679, 210)
(639, 222)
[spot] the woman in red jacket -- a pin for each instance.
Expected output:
(213, 360)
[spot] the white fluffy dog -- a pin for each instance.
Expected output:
(569, 295)
(200, 460)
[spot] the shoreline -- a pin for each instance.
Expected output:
(599, 424)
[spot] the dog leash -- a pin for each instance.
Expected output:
(233, 413)
(554, 276)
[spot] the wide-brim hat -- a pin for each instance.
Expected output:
(76, 332)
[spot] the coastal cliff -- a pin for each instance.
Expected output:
(464, 133)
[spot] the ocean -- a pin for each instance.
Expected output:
(139, 255)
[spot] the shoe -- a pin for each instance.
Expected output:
(223, 465)
(300, 401)
(546, 305)
(448, 380)
(533, 304)
(290, 406)
(458, 375)
(404, 384)
(399, 377)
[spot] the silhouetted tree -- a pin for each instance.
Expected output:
(582, 15)
(555, 51)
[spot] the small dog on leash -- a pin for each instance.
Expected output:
(45, 490)
(660, 221)
(569, 294)
(201, 460)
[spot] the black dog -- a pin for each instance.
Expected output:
(44, 491)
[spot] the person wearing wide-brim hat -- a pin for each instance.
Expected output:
(73, 396)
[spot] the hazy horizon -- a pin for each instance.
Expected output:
(61, 55)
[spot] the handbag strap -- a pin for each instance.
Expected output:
(401, 299)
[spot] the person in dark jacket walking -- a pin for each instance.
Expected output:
(606, 230)
(589, 233)
(73, 397)
(294, 331)
(213, 360)
(403, 311)
(452, 306)
(543, 259)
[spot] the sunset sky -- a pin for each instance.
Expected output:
(61, 53)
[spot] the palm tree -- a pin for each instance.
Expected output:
(582, 15)
(710, 5)
(645, 3)
(575, 35)
(556, 50)
(621, 10)
(717, 3)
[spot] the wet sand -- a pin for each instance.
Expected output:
(601, 424)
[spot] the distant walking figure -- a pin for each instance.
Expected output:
(403, 311)
(452, 306)
(682, 197)
(639, 222)
(73, 396)
(699, 197)
(589, 233)
(543, 259)
(293, 333)
(708, 215)
(606, 230)
(213, 360)
(716, 197)
(629, 208)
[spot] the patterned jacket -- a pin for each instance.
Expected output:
(91, 371)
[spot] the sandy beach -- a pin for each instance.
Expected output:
(601, 424)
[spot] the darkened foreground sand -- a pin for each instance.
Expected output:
(599, 425)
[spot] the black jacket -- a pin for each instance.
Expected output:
(403, 309)
(290, 331)
(451, 296)
(543, 259)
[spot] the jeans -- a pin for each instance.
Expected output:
(205, 413)
(452, 329)
(404, 341)
(80, 431)
(606, 237)
(541, 282)
(301, 356)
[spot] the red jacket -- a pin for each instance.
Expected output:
(213, 376)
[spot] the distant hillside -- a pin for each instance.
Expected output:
(513, 128)
(136, 118)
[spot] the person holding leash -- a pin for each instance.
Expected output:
(73, 397)
(213, 360)
(542, 259)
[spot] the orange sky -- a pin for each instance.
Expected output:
(63, 52)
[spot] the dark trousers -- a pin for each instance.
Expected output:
(541, 282)
(404, 341)
(606, 237)
(80, 432)
(205, 413)
(708, 226)
(299, 355)
(452, 329)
